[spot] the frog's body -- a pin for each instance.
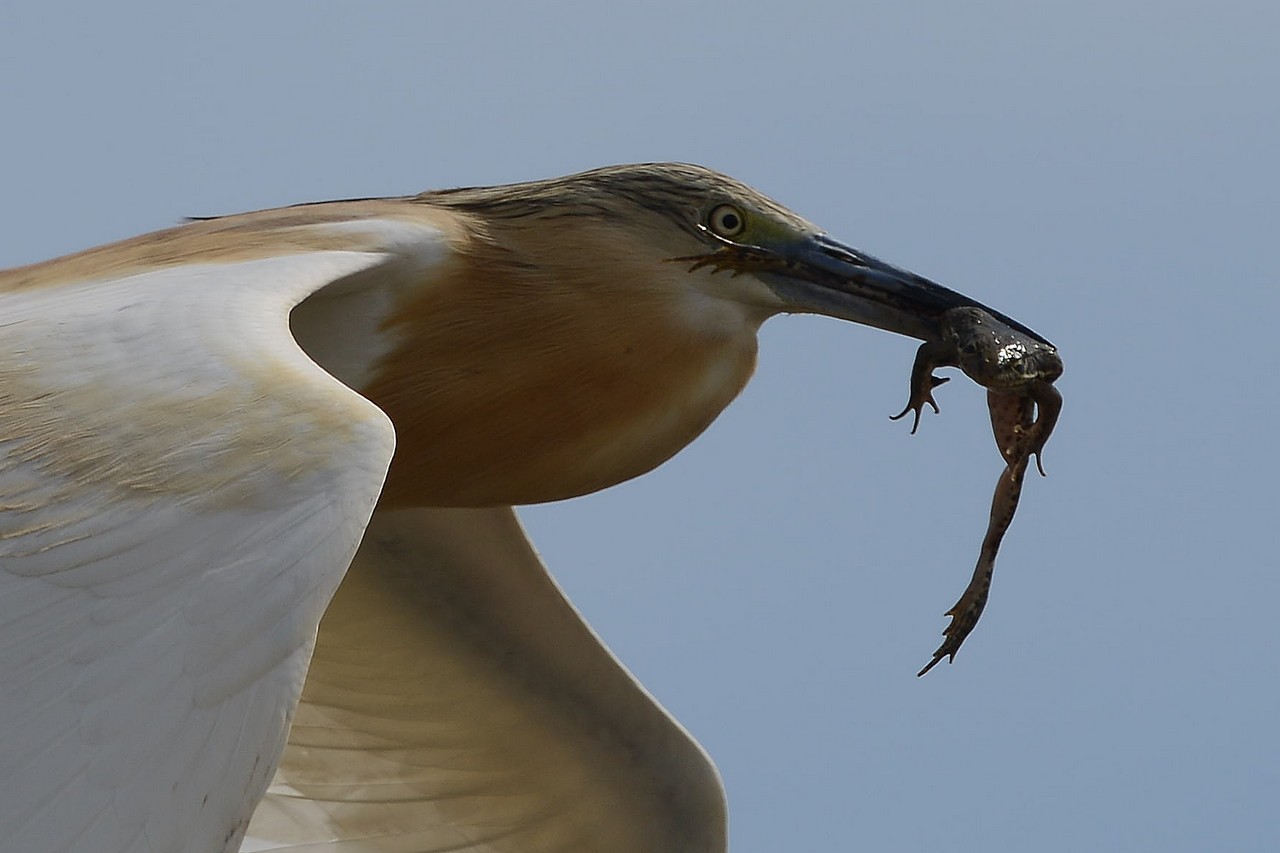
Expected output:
(1018, 372)
(999, 358)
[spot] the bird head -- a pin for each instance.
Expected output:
(730, 240)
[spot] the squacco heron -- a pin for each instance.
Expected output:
(206, 428)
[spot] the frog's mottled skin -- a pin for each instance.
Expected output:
(1018, 372)
(997, 357)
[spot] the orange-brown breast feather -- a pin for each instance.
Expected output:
(519, 382)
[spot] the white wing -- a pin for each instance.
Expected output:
(181, 490)
(457, 702)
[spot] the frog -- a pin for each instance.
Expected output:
(1018, 370)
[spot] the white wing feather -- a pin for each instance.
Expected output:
(181, 489)
(456, 701)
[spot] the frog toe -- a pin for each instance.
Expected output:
(921, 397)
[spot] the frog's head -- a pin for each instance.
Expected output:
(997, 356)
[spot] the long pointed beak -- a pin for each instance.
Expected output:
(822, 276)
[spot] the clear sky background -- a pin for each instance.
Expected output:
(1106, 172)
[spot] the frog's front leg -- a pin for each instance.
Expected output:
(930, 355)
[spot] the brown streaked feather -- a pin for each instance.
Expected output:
(676, 192)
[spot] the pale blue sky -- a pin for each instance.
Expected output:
(1106, 172)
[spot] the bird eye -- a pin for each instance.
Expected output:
(726, 220)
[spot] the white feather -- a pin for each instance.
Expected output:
(181, 490)
(180, 493)
(458, 702)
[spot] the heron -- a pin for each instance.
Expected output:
(217, 434)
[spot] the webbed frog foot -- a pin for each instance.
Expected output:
(964, 616)
(921, 395)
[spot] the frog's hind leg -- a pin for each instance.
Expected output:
(966, 612)
(1012, 416)
(1022, 423)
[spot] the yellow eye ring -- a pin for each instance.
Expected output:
(726, 220)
